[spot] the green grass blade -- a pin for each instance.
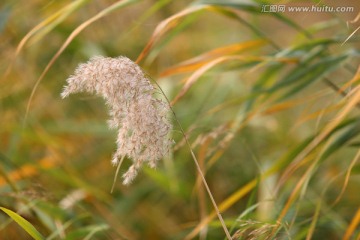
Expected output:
(307, 74)
(266, 79)
(341, 140)
(24, 224)
(306, 47)
(255, 8)
(53, 21)
(249, 7)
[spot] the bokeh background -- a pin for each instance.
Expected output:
(268, 100)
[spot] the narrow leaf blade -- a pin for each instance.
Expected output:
(24, 224)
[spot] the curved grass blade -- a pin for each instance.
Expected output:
(309, 50)
(175, 30)
(354, 80)
(313, 73)
(248, 210)
(308, 72)
(222, 207)
(279, 165)
(352, 102)
(255, 9)
(263, 85)
(352, 226)
(327, 131)
(103, 13)
(318, 27)
(50, 22)
(165, 26)
(293, 162)
(197, 62)
(266, 79)
(154, 8)
(318, 113)
(197, 74)
(228, 12)
(46, 26)
(341, 140)
(347, 177)
(116, 174)
(173, 21)
(24, 224)
(246, 6)
(270, 110)
(236, 196)
(352, 34)
(302, 183)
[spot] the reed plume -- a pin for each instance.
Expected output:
(141, 119)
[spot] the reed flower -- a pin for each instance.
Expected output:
(141, 119)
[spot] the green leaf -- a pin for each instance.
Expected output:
(24, 224)
(265, 79)
(342, 139)
(305, 75)
(255, 8)
(249, 7)
(338, 143)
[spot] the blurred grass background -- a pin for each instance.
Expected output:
(270, 102)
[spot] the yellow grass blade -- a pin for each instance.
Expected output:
(200, 189)
(165, 26)
(347, 177)
(355, 79)
(357, 18)
(351, 102)
(224, 105)
(64, 14)
(222, 207)
(44, 27)
(232, 199)
(197, 62)
(314, 220)
(352, 34)
(317, 114)
(352, 227)
(198, 73)
(295, 192)
(52, 20)
(76, 32)
(282, 106)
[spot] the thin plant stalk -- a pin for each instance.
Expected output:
(117, 173)
(197, 166)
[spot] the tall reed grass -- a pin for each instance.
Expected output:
(266, 103)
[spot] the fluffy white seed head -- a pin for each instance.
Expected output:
(141, 119)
